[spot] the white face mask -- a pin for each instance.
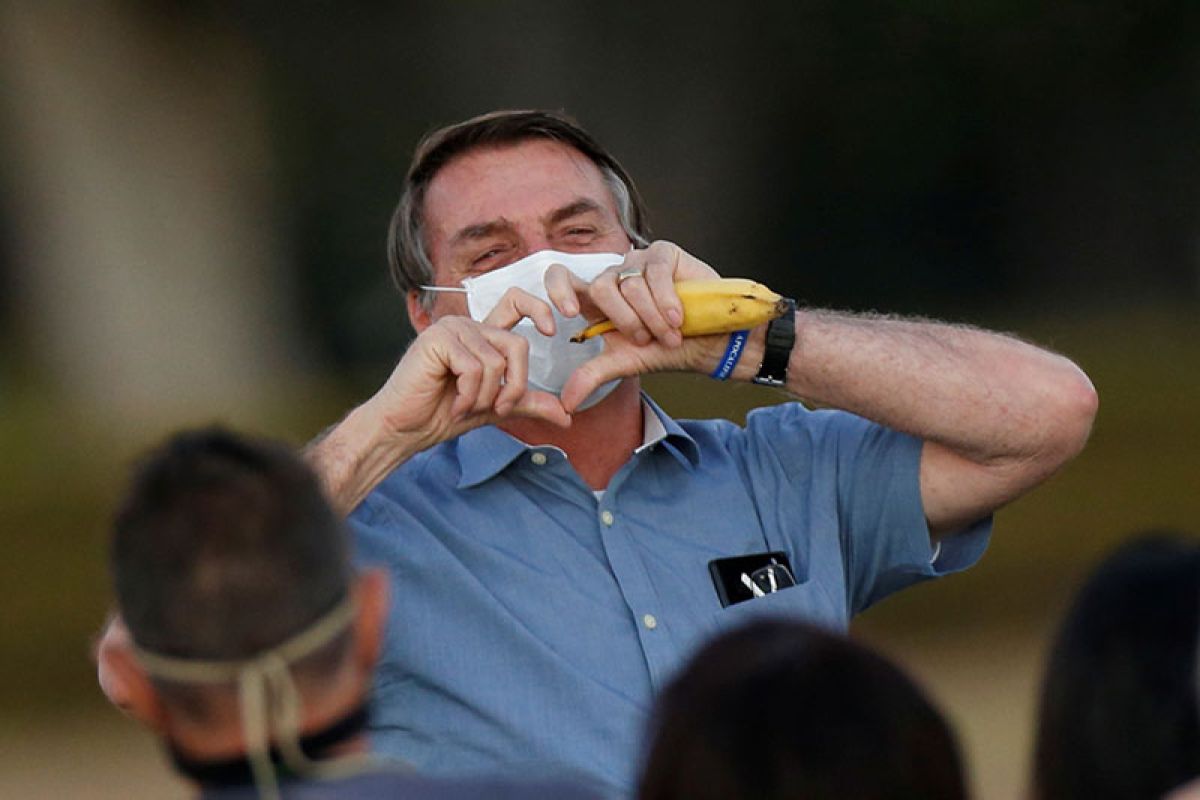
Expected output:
(552, 359)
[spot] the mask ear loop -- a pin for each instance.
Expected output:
(255, 707)
(267, 696)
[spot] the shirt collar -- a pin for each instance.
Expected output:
(653, 430)
(485, 452)
(660, 427)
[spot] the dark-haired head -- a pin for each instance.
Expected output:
(780, 710)
(1118, 715)
(407, 255)
(224, 546)
(245, 626)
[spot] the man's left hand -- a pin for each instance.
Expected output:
(638, 296)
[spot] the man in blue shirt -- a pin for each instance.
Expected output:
(558, 550)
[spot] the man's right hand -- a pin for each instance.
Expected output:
(459, 374)
(456, 375)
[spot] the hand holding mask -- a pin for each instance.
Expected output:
(552, 359)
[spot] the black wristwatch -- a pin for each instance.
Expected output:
(781, 337)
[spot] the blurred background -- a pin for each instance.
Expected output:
(193, 206)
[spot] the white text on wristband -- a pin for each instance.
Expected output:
(737, 342)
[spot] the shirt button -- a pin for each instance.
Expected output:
(538, 458)
(649, 621)
(606, 517)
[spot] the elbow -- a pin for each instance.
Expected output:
(1074, 409)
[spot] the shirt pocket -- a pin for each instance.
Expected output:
(807, 601)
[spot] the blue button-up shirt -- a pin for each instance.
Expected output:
(532, 622)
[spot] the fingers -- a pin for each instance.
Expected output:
(489, 370)
(583, 381)
(543, 406)
(639, 295)
(514, 350)
(660, 273)
(564, 289)
(516, 304)
(476, 359)
(622, 294)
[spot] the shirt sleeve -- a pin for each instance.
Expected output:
(867, 479)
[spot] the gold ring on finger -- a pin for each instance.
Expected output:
(624, 275)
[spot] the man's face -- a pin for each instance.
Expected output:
(493, 206)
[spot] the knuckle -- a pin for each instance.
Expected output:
(601, 288)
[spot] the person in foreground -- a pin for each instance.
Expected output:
(1118, 715)
(534, 505)
(781, 710)
(249, 642)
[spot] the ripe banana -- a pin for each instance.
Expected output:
(714, 305)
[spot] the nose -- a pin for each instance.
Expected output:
(533, 242)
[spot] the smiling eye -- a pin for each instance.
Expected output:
(487, 254)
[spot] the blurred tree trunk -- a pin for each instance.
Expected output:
(148, 264)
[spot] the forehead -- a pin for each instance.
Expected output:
(517, 182)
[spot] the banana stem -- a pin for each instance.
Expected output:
(604, 326)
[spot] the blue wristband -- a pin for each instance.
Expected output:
(737, 342)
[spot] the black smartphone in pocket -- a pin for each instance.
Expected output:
(741, 578)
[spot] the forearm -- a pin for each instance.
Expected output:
(997, 415)
(988, 397)
(353, 456)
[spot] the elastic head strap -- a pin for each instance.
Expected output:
(267, 697)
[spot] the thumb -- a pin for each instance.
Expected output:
(543, 406)
(591, 375)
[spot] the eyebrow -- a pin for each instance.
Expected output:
(482, 230)
(581, 206)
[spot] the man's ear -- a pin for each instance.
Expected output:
(371, 590)
(128, 685)
(418, 315)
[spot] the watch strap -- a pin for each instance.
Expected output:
(781, 338)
